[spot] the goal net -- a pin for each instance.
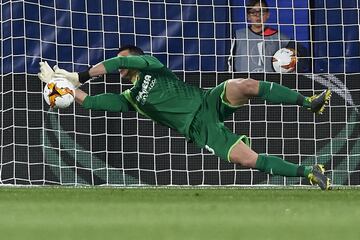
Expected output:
(198, 40)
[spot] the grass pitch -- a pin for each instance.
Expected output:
(118, 213)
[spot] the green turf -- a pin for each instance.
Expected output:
(116, 213)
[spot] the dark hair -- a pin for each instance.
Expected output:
(251, 3)
(133, 50)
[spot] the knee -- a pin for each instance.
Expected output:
(248, 161)
(245, 86)
(243, 155)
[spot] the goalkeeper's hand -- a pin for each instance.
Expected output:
(46, 73)
(72, 77)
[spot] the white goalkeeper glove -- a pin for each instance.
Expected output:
(72, 77)
(46, 73)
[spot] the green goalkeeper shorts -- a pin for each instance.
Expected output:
(207, 129)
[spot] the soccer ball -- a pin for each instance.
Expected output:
(59, 93)
(284, 60)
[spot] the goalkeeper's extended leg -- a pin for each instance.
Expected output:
(273, 165)
(238, 92)
(276, 93)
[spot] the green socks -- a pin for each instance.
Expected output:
(276, 93)
(277, 166)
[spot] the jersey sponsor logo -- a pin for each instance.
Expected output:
(146, 87)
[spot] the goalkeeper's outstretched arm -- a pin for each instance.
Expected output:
(143, 62)
(105, 102)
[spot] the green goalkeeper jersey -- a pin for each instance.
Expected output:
(157, 93)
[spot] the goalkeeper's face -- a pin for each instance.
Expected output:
(126, 73)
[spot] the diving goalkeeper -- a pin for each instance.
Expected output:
(196, 113)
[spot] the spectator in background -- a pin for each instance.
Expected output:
(253, 47)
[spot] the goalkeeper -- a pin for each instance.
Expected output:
(196, 113)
